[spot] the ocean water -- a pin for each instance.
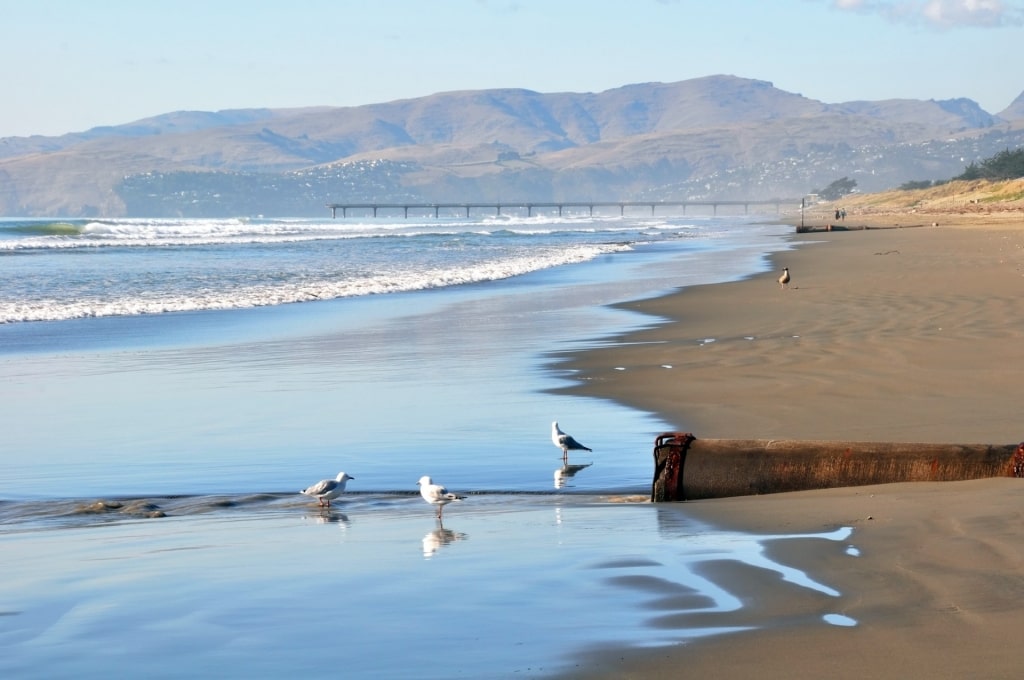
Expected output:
(145, 357)
(167, 387)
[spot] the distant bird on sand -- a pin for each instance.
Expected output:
(435, 494)
(565, 442)
(328, 489)
(784, 279)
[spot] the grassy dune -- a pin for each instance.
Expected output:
(957, 197)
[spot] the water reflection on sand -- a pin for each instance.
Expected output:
(440, 537)
(268, 584)
(564, 474)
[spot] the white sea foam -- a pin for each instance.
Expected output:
(397, 279)
(60, 269)
(168, 233)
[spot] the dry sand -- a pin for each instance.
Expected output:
(909, 334)
(904, 334)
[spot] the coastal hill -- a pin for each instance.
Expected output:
(719, 137)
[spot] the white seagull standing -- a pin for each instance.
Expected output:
(328, 489)
(784, 279)
(565, 442)
(435, 494)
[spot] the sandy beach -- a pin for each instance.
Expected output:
(903, 334)
(911, 331)
(908, 333)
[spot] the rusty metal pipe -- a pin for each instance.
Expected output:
(687, 468)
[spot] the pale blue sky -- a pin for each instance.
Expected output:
(69, 65)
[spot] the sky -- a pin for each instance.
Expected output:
(69, 65)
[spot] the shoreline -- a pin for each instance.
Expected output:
(886, 334)
(231, 576)
(935, 590)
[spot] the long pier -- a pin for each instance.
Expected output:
(559, 207)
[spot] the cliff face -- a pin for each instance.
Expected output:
(716, 137)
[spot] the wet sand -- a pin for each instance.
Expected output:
(912, 334)
(510, 586)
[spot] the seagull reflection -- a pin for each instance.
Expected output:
(566, 472)
(330, 516)
(440, 537)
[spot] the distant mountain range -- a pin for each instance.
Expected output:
(719, 137)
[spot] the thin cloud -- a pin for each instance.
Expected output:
(945, 14)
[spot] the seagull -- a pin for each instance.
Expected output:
(565, 442)
(784, 279)
(435, 494)
(328, 489)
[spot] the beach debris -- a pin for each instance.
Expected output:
(327, 490)
(784, 279)
(565, 442)
(688, 468)
(633, 498)
(135, 508)
(435, 494)
(101, 506)
(1017, 466)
